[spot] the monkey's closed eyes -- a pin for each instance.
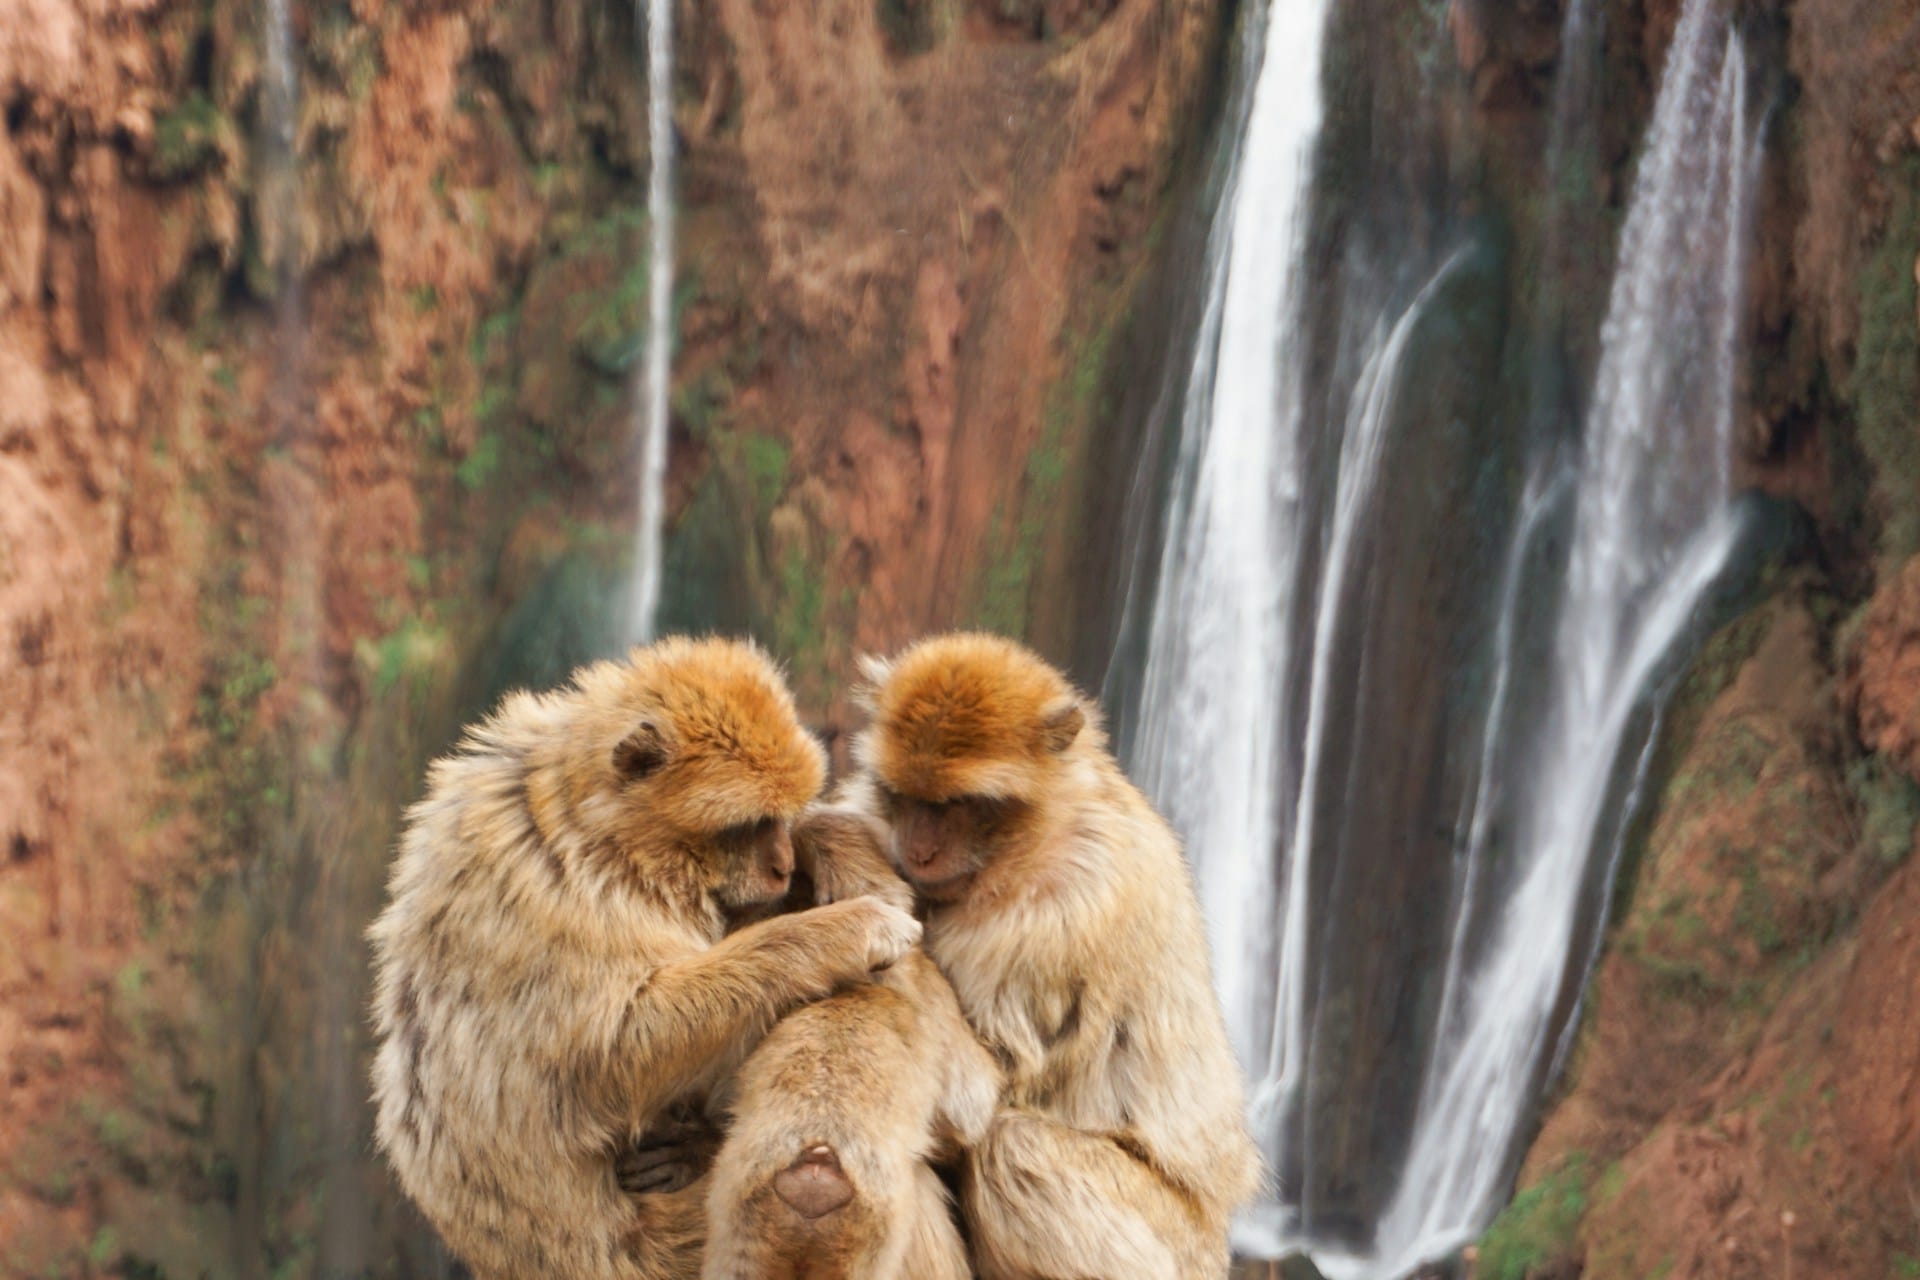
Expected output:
(745, 833)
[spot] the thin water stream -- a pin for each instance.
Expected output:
(657, 365)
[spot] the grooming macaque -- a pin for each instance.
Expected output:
(825, 1172)
(555, 973)
(1061, 910)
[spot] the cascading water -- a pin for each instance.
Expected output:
(657, 365)
(279, 176)
(1210, 737)
(1653, 527)
(282, 85)
(1362, 450)
(1246, 674)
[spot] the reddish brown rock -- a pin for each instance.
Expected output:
(1742, 1101)
(1884, 679)
(1875, 1040)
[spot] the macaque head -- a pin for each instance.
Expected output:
(970, 736)
(696, 766)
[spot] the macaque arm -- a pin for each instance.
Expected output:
(842, 851)
(971, 1081)
(695, 1018)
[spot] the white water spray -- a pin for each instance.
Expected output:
(657, 363)
(1277, 1098)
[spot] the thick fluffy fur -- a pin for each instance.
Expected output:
(1071, 934)
(865, 1087)
(553, 971)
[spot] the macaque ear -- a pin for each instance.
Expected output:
(640, 752)
(1061, 724)
(875, 671)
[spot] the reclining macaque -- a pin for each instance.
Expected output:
(825, 1174)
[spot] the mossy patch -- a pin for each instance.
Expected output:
(1885, 387)
(481, 462)
(764, 459)
(190, 139)
(1707, 677)
(411, 656)
(1016, 557)
(1888, 805)
(798, 621)
(914, 27)
(1537, 1230)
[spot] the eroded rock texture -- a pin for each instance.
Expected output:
(308, 445)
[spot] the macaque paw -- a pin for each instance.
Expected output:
(891, 932)
(670, 1155)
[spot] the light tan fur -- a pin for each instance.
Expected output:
(1067, 923)
(553, 970)
(868, 1085)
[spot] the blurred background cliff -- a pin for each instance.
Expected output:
(324, 408)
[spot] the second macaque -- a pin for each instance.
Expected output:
(1060, 908)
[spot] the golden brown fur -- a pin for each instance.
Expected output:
(553, 970)
(1062, 912)
(824, 1174)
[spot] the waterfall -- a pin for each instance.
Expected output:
(1276, 1099)
(1259, 638)
(1653, 526)
(278, 181)
(1210, 736)
(657, 364)
(282, 85)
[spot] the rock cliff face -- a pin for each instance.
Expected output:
(315, 432)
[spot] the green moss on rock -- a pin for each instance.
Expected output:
(1885, 386)
(1537, 1230)
(190, 139)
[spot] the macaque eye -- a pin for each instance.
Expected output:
(744, 833)
(986, 811)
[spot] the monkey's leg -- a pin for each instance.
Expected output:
(1048, 1202)
(934, 1248)
(809, 1219)
(668, 1235)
